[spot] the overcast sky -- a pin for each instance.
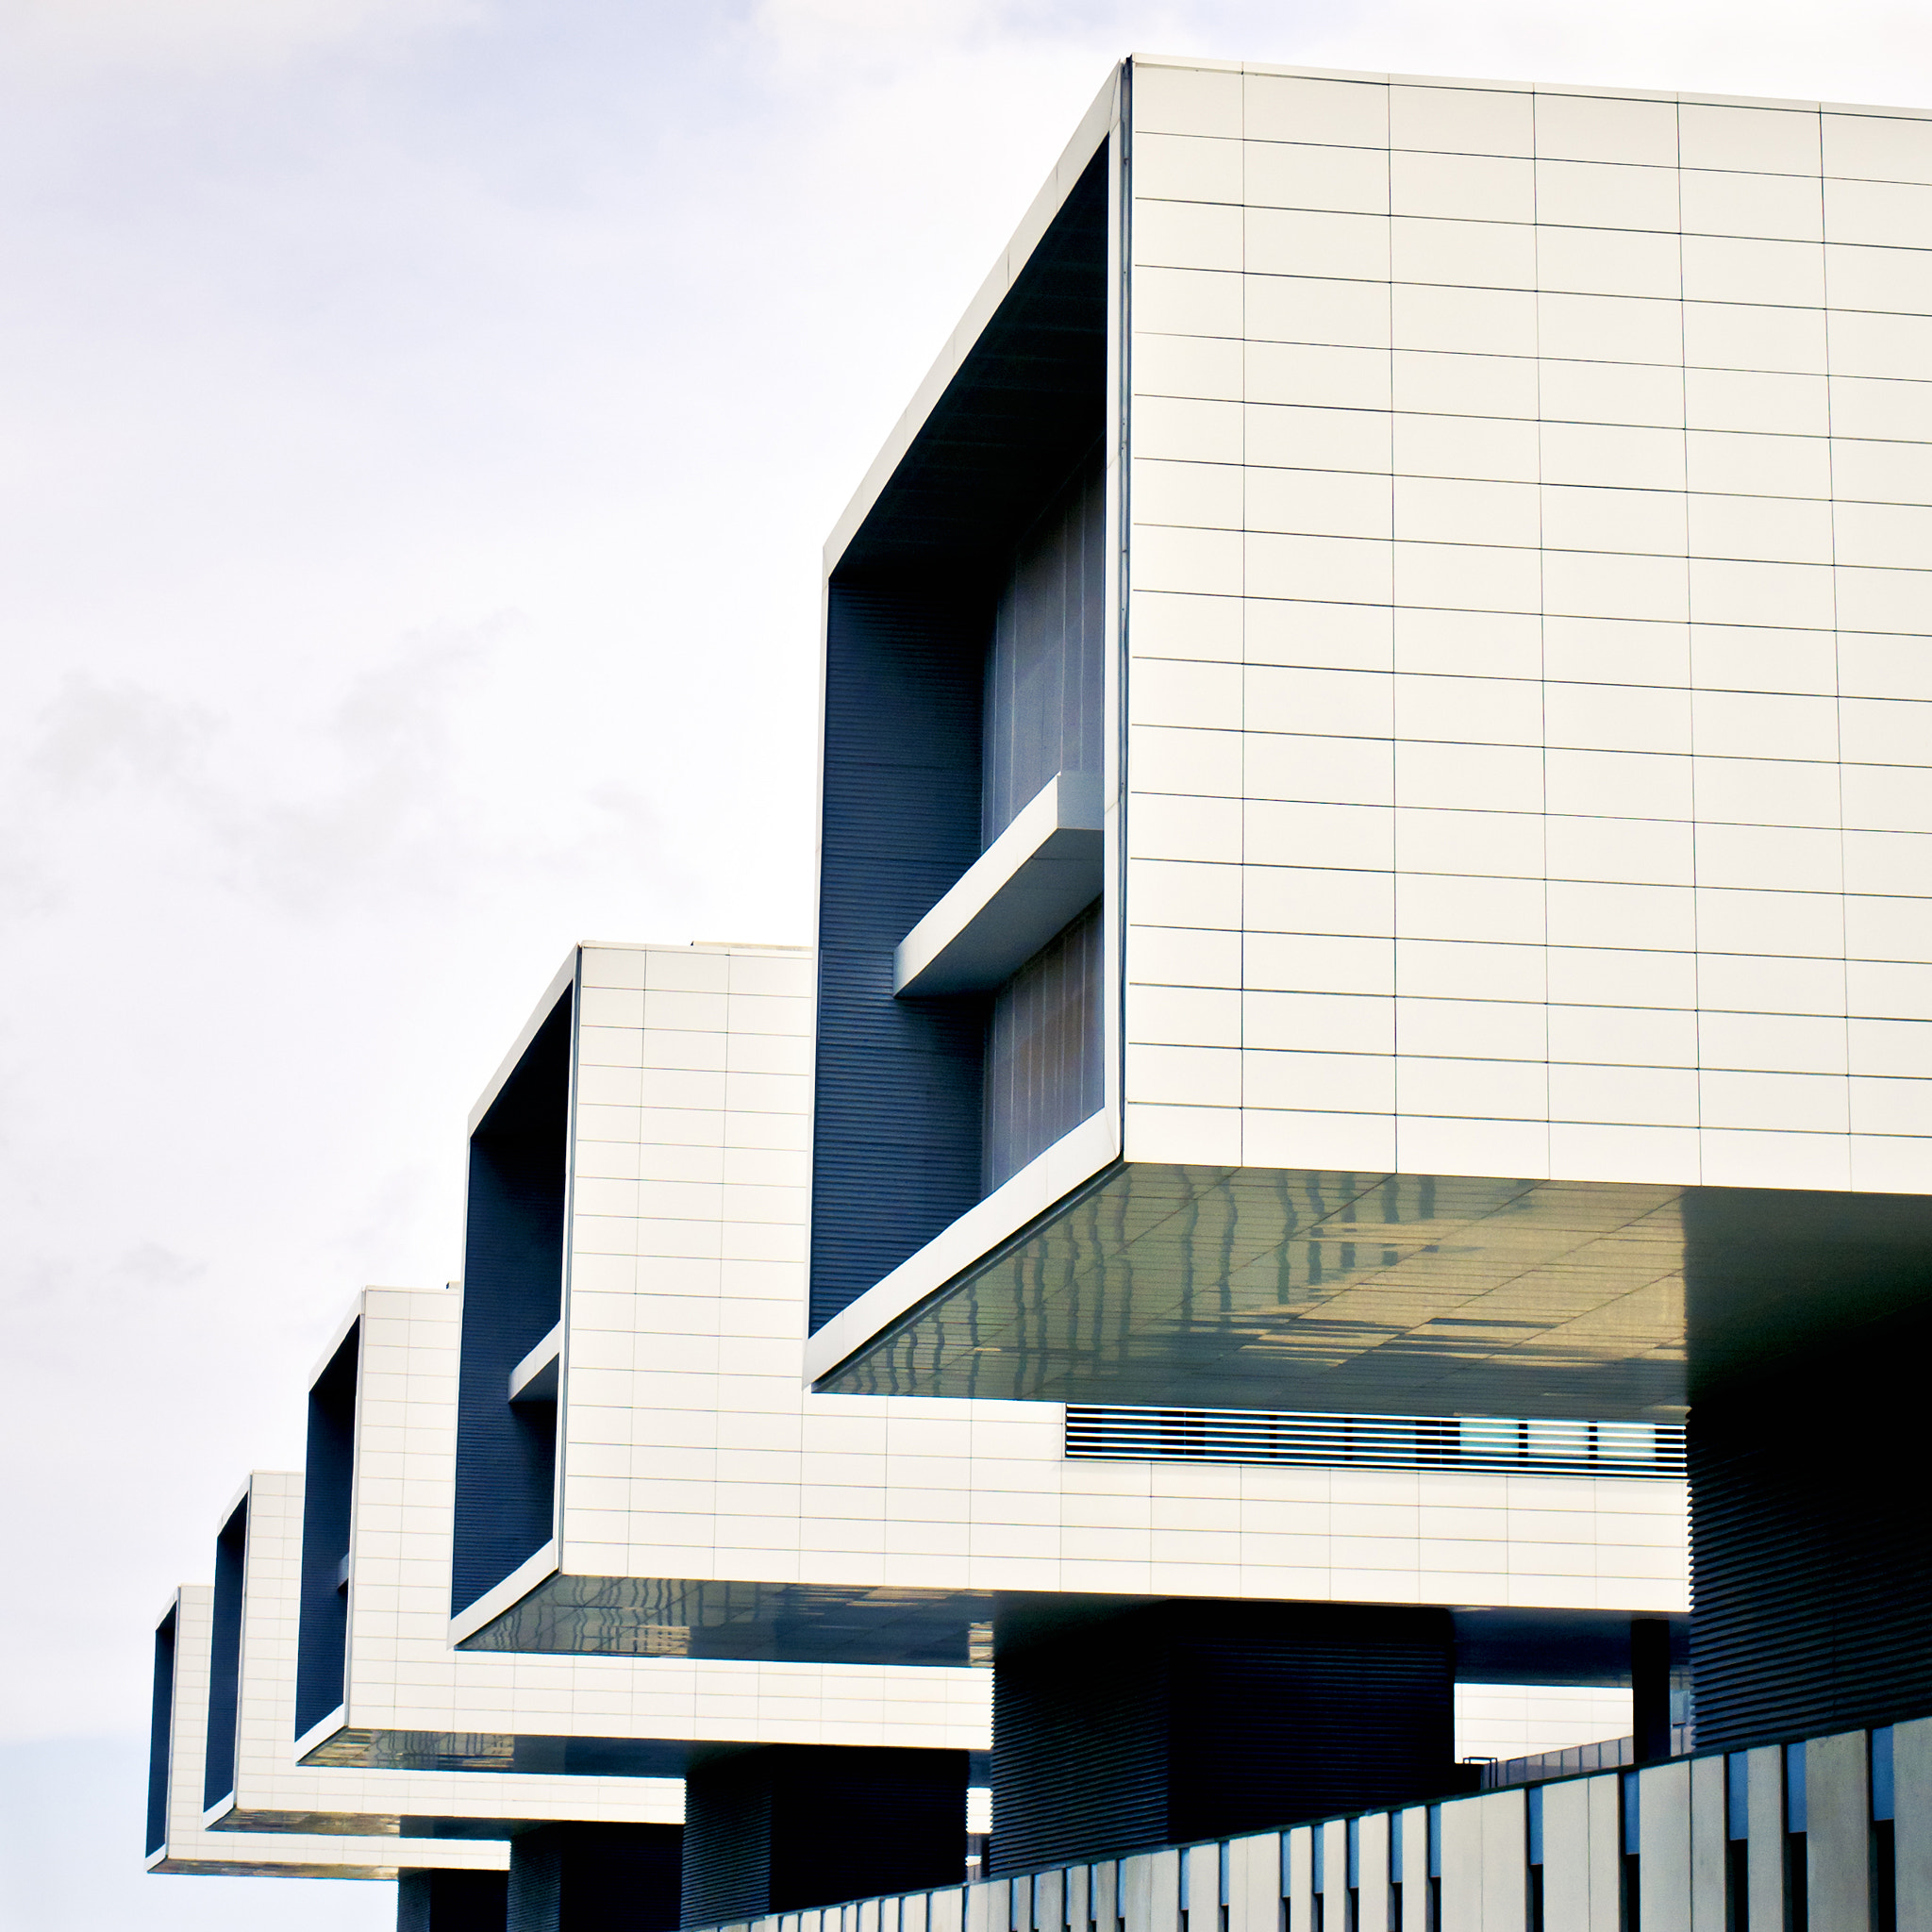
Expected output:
(420, 418)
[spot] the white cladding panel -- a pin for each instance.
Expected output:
(269, 1779)
(1528, 704)
(691, 1448)
(1523, 1720)
(403, 1677)
(189, 1847)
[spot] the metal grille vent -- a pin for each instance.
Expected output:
(1490, 1444)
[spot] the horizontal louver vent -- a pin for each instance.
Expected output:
(1484, 1444)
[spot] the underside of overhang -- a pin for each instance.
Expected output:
(1410, 1295)
(854, 1623)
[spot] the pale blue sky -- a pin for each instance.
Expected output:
(420, 418)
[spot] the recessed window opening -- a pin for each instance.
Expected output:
(225, 1657)
(330, 1472)
(1321, 1440)
(1042, 721)
(965, 635)
(160, 1737)
(513, 1253)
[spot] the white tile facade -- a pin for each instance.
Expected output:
(191, 1847)
(403, 1676)
(1529, 703)
(692, 1449)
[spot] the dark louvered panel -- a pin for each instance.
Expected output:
(1045, 671)
(1484, 1445)
(225, 1657)
(160, 1734)
(727, 1840)
(1044, 1058)
(1079, 1748)
(329, 1471)
(1189, 1719)
(850, 1820)
(1293, 1712)
(594, 1878)
(452, 1901)
(786, 1827)
(1811, 1568)
(895, 1140)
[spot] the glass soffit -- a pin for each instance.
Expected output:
(1246, 1287)
(1415, 1296)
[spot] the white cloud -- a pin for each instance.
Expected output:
(94, 736)
(1857, 50)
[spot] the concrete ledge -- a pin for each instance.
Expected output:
(1041, 870)
(1076, 1156)
(492, 1604)
(534, 1378)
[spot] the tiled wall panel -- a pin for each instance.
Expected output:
(403, 1677)
(1528, 507)
(1523, 1720)
(403, 1674)
(692, 1449)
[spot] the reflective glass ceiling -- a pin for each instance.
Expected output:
(1409, 1294)
(1266, 1288)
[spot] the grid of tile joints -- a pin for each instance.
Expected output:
(189, 1847)
(273, 1789)
(403, 1677)
(1531, 491)
(692, 1449)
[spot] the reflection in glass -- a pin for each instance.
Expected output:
(1303, 1290)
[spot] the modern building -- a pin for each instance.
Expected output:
(633, 1455)
(1375, 812)
(711, 1504)
(1817, 1833)
(1365, 1058)
(181, 1835)
(393, 1695)
(586, 1756)
(403, 1735)
(424, 1813)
